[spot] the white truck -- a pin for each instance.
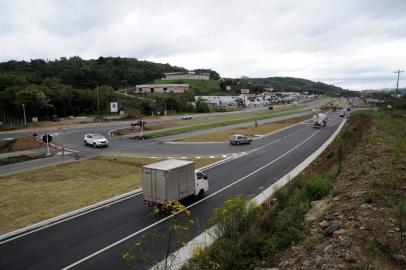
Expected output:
(319, 120)
(172, 180)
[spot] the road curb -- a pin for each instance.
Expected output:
(48, 222)
(180, 257)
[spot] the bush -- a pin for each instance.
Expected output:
(317, 187)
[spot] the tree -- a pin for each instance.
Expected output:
(244, 81)
(34, 99)
(202, 106)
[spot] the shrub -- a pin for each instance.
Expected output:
(317, 187)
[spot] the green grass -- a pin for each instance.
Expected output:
(29, 197)
(173, 131)
(200, 87)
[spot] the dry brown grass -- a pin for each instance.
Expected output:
(26, 143)
(262, 129)
(30, 197)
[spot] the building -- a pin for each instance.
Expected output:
(218, 101)
(161, 88)
(187, 75)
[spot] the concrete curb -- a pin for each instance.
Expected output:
(205, 239)
(61, 147)
(48, 222)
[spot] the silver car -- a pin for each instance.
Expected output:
(238, 139)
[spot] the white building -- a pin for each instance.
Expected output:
(188, 75)
(218, 101)
(161, 88)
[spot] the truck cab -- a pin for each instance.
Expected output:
(202, 185)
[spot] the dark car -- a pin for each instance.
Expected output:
(54, 118)
(270, 108)
(238, 139)
(138, 123)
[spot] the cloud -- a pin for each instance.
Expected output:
(354, 44)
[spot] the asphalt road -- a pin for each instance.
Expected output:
(98, 239)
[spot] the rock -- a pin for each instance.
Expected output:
(399, 258)
(327, 248)
(306, 263)
(343, 241)
(367, 206)
(339, 232)
(332, 226)
(323, 224)
(316, 210)
(318, 260)
(350, 259)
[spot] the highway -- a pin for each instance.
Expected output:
(97, 240)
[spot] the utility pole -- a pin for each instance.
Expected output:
(397, 83)
(25, 119)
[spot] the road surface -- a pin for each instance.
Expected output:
(97, 240)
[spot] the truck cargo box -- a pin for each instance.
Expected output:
(168, 180)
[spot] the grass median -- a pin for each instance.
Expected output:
(174, 131)
(30, 197)
(250, 131)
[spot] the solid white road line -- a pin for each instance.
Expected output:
(200, 201)
(69, 218)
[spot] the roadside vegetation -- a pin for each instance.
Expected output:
(30, 197)
(345, 211)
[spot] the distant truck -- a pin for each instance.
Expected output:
(172, 180)
(319, 120)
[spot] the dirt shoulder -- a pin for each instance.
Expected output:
(19, 144)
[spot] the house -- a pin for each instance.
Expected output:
(187, 75)
(161, 88)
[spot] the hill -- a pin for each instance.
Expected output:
(79, 73)
(290, 84)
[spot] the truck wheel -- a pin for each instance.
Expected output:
(201, 194)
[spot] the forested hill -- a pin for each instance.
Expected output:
(79, 73)
(290, 84)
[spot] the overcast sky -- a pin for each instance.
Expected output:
(354, 44)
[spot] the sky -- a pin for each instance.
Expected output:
(353, 44)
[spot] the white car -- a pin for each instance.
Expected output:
(95, 140)
(187, 117)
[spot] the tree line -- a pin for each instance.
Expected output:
(68, 86)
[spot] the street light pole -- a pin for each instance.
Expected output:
(25, 119)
